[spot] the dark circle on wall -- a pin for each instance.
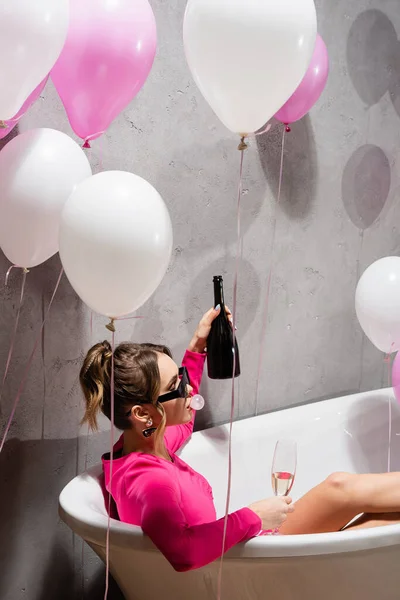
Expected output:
(300, 167)
(372, 48)
(365, 185)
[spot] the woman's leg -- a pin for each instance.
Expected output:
(340, 498)
(370, 520)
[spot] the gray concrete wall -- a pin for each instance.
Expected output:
(338, 213)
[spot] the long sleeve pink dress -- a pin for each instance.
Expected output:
(171, 502)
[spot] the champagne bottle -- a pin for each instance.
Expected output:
(220, 347)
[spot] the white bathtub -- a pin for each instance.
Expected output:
(344, 434)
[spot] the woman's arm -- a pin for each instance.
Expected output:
(188, 547)
(176, 435)
(193, 360)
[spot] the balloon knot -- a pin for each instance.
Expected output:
(3, 125)
(110, 326)
(25, 270)
(86, 144)
(242, 146)
(288, 130)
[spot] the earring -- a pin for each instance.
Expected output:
(150, 430)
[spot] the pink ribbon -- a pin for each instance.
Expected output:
(28, 366)
(388, 361)
(269, 278)
(239, 252)
(26, 271)
(112, 394)
(112, 390)
(14, 333)
(265, 130)
(239, 246)
(83, 541)
(128, 318)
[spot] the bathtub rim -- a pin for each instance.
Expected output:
(91, 525)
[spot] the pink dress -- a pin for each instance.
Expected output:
(171, 502)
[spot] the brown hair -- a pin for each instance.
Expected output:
(136, 381)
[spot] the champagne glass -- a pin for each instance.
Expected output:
(284, 467)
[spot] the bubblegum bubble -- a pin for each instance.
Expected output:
(197, 402)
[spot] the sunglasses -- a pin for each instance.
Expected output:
(180, 392)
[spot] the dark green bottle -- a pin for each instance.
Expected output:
(220, 347)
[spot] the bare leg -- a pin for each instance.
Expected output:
(378, 520)
(338, 499)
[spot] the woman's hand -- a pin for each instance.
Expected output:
(199, 340)
(273, 511)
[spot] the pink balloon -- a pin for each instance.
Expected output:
(11, 123)
(106, 59)
(310, 88)
(396, 376)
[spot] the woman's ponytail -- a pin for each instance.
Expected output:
(95, 381)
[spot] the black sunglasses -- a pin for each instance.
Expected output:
(180, 392)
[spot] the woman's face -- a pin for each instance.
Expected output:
(177, 411)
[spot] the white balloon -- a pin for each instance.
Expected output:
(378, 303)
(32, 35)
(248, 56)
(115, 242)
(39, 169)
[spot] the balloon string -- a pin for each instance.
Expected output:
(242, 148)
(358, 265)
(111, 328)
(89, 138)
(387, 360)
(111, 466)
(9, 272)
(14, 333)
(85, 469)
(28, 365)
(265, 130)
(83, 541)
(269, 276)
(111, 325)
(101, 154)
(128, 318)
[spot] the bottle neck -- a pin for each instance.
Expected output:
(219, 293)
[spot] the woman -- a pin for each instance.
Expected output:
(153, 488)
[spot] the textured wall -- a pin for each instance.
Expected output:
(337, 214)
